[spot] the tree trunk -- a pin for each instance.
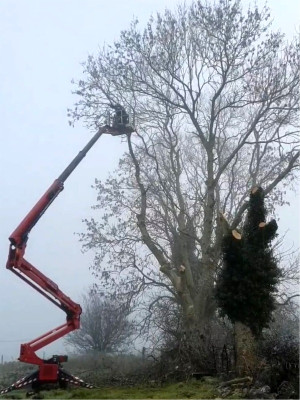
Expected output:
(246, 359)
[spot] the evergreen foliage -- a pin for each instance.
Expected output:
(247, 283)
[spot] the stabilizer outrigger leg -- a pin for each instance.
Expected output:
(64, 378)
(30, 379)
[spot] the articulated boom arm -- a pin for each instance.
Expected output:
(27, 272)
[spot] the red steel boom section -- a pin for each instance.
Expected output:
(26, 271)
(48, 369)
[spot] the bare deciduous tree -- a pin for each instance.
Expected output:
(105, 325)
(215, 95)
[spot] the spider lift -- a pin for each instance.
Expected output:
(50, 370)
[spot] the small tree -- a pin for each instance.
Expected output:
(280, 349)
(105, 325)
(247, 283)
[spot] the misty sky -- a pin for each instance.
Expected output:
(43, 44)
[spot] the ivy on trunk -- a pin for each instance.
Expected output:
(247, 283)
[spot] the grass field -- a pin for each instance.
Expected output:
(187, 390)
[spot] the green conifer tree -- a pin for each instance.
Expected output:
(247, 283)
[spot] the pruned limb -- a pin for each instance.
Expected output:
(269, 188)
(236, 234)
(246, 379)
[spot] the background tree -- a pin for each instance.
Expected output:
(247, 284)
(215, 95)
(106, 326)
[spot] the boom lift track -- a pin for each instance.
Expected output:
(50, 371)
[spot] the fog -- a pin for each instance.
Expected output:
(43, 44)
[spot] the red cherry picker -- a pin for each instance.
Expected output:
(50, 370)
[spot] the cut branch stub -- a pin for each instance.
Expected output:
(224, 223)
(222, 216)
(181, 269)
(262, 224)
(236, 234)
(254, 190)
(257, 190)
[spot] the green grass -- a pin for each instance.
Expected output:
(189, 390)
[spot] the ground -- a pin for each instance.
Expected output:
(183, 390)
